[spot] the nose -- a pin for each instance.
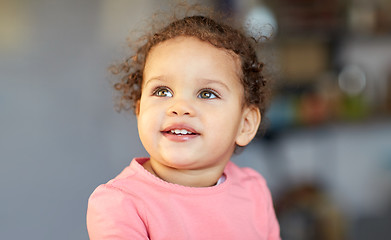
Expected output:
(181, 107)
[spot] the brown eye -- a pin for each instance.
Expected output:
(162, 92)
(207, 94)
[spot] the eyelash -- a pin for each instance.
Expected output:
(159, 88)
(208, 90)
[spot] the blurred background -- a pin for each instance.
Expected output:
(326, 153)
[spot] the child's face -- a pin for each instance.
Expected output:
(191, 111)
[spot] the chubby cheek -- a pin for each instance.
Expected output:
(145, 132)
(149, 121)
(225, 125)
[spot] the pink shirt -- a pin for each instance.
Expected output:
(138, 205)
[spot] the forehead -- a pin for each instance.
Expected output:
(189, 55)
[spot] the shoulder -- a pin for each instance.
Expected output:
(111, 214)
(249, 181)
(113, 209)
(123, 185)
(115, 197)
(254, 184)
(244, 174)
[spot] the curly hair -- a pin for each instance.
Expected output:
(255, 84)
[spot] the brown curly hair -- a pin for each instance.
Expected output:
(255, 84)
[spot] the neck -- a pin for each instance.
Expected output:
(190, 178)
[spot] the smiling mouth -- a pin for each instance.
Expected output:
(180, 132)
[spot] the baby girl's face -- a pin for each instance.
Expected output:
(191, 110)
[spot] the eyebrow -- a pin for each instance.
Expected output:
(157, 78)
(213, 81)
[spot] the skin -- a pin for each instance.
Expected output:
(191, 85)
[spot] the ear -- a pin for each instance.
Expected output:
(249, 126)
(137, 108)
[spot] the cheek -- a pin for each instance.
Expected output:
(225, 122)
(146, 127)
(149, 117)
(144, 107)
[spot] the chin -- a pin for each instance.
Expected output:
(181, 162)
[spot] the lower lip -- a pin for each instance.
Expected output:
(179, 138)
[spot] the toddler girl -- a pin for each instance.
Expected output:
(198, 92)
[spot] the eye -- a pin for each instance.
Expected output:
(208, 94)
(162, 92)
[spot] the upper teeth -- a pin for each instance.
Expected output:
(180, 131)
